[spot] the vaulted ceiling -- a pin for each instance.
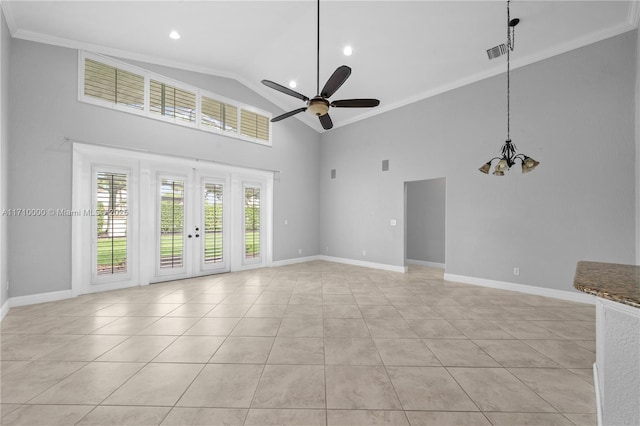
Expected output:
(403, 51)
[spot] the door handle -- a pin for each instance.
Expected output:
(197, 235)
(189, 236)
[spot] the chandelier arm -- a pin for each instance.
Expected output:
(520, 157)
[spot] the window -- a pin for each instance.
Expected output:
(171, 223)
(172, 102)
(251, 223)
(213, 223)
(254, 125)
(219, 115)
(110, 83)
(111, 223)
(113, 85)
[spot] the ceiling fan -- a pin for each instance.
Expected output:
(319, 104)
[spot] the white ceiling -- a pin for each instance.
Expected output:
(403, 51)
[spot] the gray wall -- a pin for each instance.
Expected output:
(573, 112)
(426, 220)
(5, 40)
(45, 110)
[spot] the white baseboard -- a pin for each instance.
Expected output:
(40, 298)
(5, 308)
(426, 263)
(596, 385)
(293, 261)
(523, 288)
(383, 266)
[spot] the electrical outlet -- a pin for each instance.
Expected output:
(299, 251)
(516, 271)
(364, 252)
(393, 222)
(326, 249)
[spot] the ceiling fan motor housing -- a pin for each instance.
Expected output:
(318, 106)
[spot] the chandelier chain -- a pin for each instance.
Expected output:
(508, 151)
(318, 53)
(509, 48)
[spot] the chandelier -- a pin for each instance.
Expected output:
(508, 151)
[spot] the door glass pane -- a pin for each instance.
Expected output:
(171, 223)
(213, 223)
(111, 223)
(251, 223)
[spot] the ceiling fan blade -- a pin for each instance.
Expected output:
(288, 114)
(356, 103)
(336, 80)
(284, 90)
(326, 122)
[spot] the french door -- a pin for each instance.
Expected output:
(192, 224)
(145, 218)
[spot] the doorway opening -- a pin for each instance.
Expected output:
(425, 222)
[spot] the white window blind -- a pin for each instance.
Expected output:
(171, 101)
(171, 223)
(251, 223)
(254, 125)
(213, 223)
(113, 85)
(219, 115)
(111, 223)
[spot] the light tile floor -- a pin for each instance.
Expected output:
(316, 343)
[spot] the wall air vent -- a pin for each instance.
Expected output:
(497, 51)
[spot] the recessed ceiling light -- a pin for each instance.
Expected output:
(174, 35)
(293, 84)
(347, 51)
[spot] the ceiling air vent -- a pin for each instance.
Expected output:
(496, 52)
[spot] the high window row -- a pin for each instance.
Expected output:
(114, 84)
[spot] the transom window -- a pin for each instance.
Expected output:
(120, 87)
(219, 115)
(110, 83)
(173, 102)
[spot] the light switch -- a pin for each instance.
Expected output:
(286, 221)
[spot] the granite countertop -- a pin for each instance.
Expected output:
(620, 283)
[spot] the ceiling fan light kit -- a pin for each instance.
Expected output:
(319, 105)
(508, 151)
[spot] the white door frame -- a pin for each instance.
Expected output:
(142, 166)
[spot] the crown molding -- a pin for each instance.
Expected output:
(117, 53)
(634, 13)
(515, 63)
(7, 11)
(633, 20)
(125, 54)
